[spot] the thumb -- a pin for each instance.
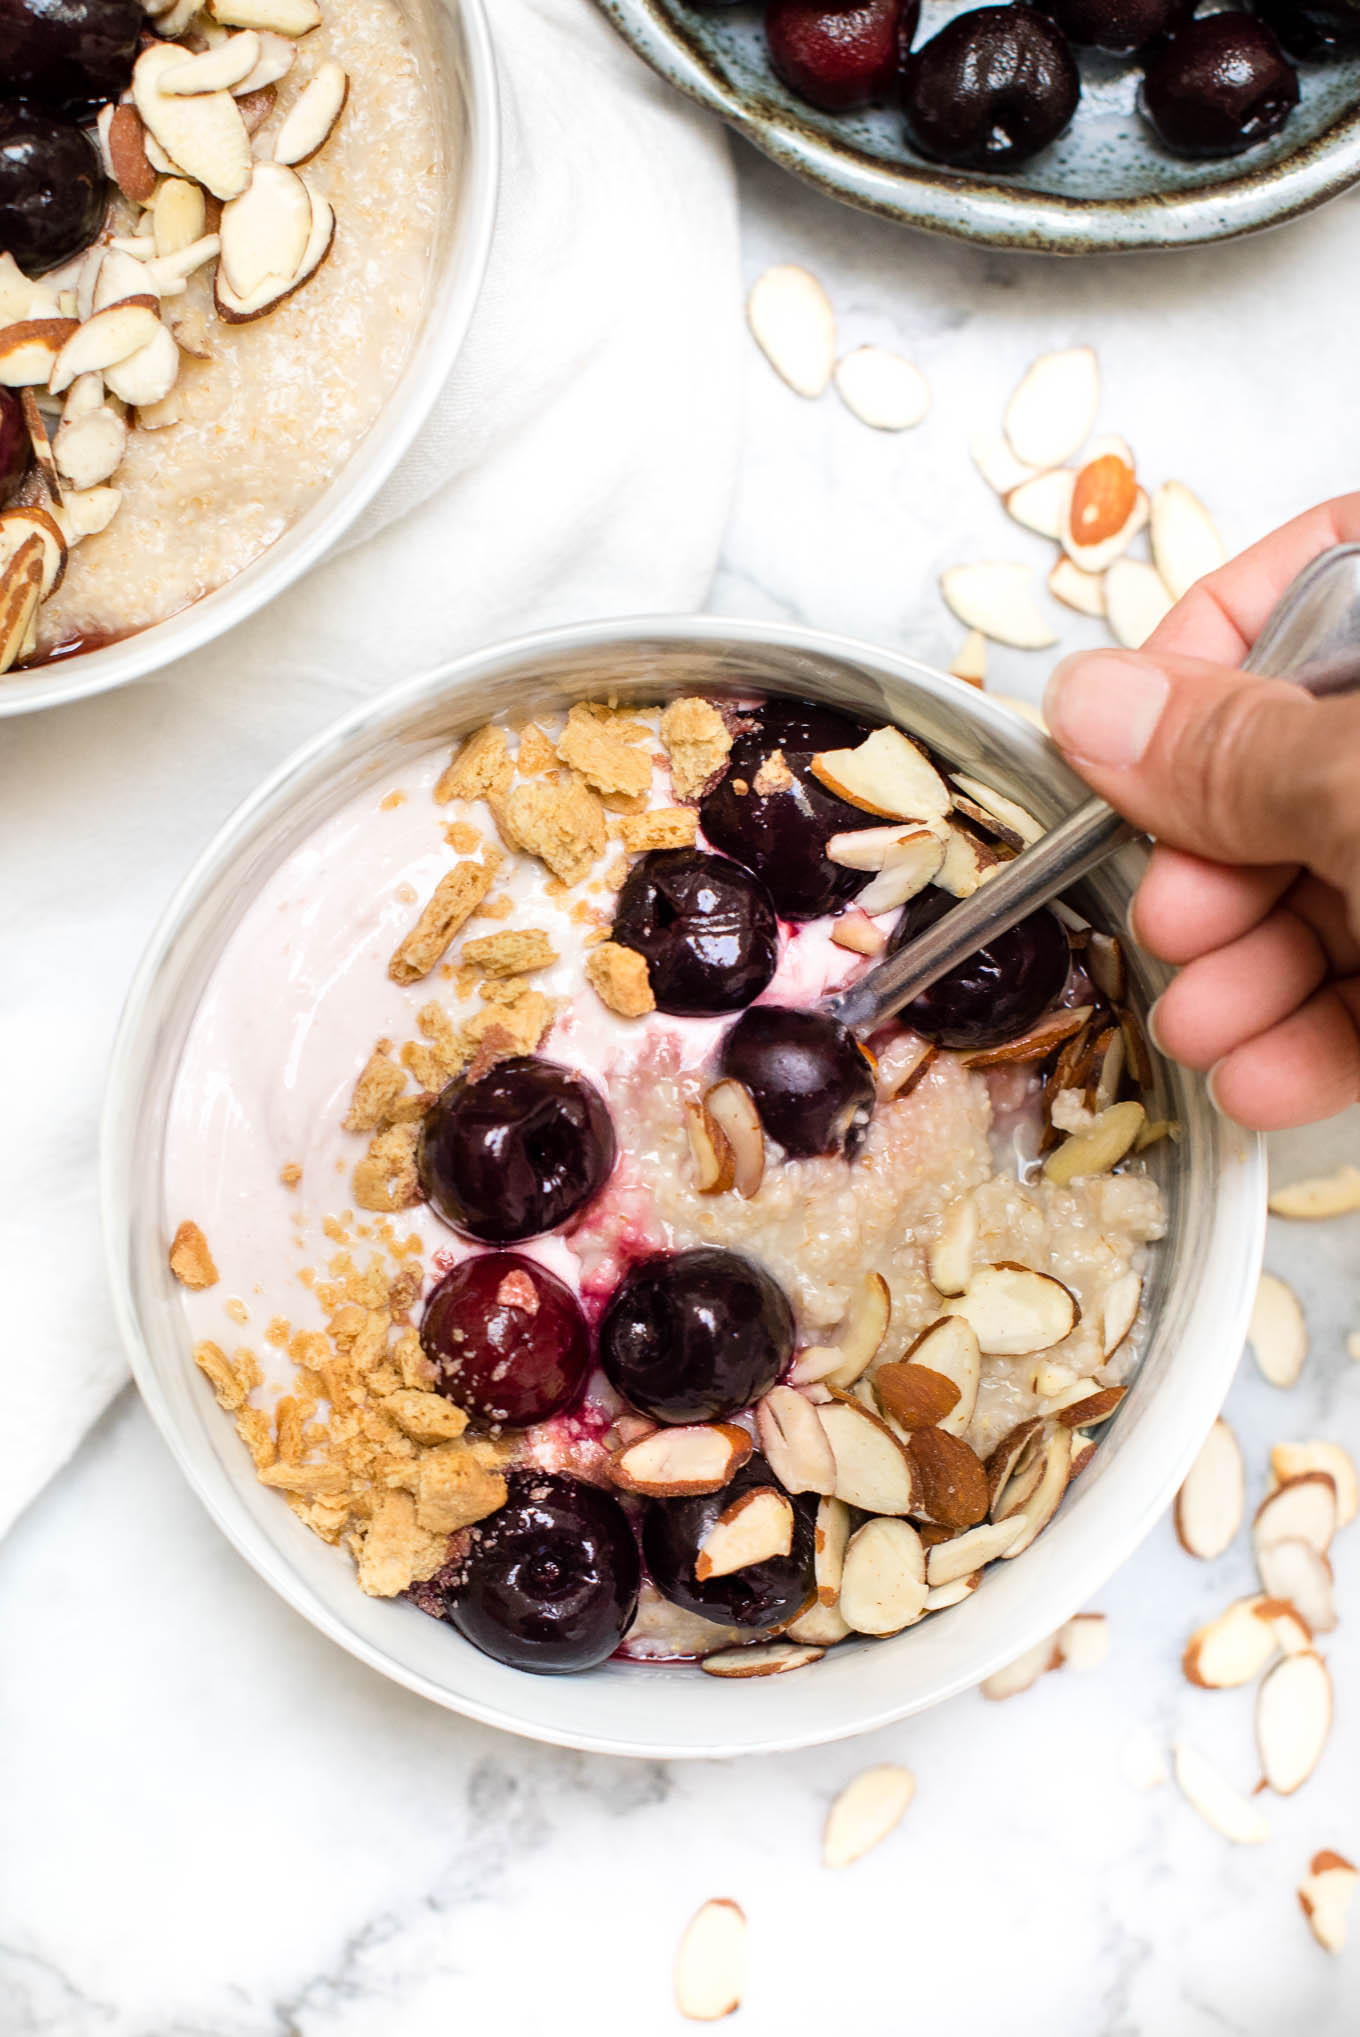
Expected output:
(1216, 762)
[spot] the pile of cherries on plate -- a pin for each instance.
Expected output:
(551, 1581)
(997, 84)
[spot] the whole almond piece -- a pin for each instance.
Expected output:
(1102, 500)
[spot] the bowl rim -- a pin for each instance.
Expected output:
(1245, 1190)
(988, 214)
(304, 543)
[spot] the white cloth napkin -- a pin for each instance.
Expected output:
(579, 463)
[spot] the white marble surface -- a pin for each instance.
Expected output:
(216, 1825)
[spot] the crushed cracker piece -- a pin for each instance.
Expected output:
(480, 765)
(696, 742)
(237, 1310)
(309, 1480)
(379, 1084)
(607, 763)
(665, 827)
(563, 825)
(453, 1489)
(425, 1417)
(253, 1427)
(453, 900)
(190, 1260)
(499, 907)
(619, 978)
(774, 775)
(462, 836)
(512, 953)
(505, 1027)
(392, 802)
(386, 1177)
(395, 1551)
(220, 1373)
(290, 1175)
(535, 753)
(624, 802)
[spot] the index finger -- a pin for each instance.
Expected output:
(1223, 614)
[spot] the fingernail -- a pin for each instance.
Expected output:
(1102, 707)
(1150, 1025)
(1211, 1084)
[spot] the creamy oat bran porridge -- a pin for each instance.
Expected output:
(826, 1387)
(261, 415)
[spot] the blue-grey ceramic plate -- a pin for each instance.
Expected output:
(1106, 186)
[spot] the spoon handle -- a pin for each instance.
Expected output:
(1312, 637)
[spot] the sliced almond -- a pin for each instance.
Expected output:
(710, 1965)
(1292, 1632)
(872, 1468)
(886, 774)
(1293, 1720)
(281, 17)
(1015, 1311)
(1040, 1508)
(997, 464)
(730, 1106)
(950, 1346)
(819, 1627)
(679, 1463)
(902, 1063)
(122, 139)
(88, 449)
(1231, 1649)
(855, 931)
(29, 520)
(792, 322)
(310, 121)
(763, 1658)
(941, 1596)
(264, 232)
(1278, 1331)
(870, 848)
(43, 456)
(1135, 602)
(997, 597)
(881, 389)
(1104, 1143)
(951, 1483)
(865, 1812)
(1291, 1460)
(105, 339)
(1097, 559)
(883, 1588)
(1222, 1807)
(230, 62)
(148, 375)
(1041, 504)
(1119, 1306)
(204, 137)
(1022, 1674)
(16, 291)
(794, 1442)
(1004, 816)
(910, 864)
(866, 1326)
(29, 349)
(1294, 1571)
(1089, 1409)
(1318, 1195)
(1185, 543)
(121, 279)
(178, 215)
(914, 1396)
(1106, 965)
(949, 1258)
(1053, 411)
(709, 1150)
(20, 592)
(1044, 1037)
(84, 512)
(1302, 1509)
(1208, 1510)
(1084, 1642)
(970, 660)
(968, 862)
(1325, 1897)
(830, 1535)
(1020, 1447)
(964, 1554)
(1105, 1074)
(755, 1527)
(814, 1363)
(278, 54)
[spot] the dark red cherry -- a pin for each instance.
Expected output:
(996, 85)
(518, 1152)
(706, 926)
(1120, 26)
(1310, 31)
(695, 1336)
(550, 1582)
(839, 57)
(999, 992)
(809, 1079)
(762, 1594)
(69, 56)
(52, 188)
(1219, 85)
(507, 1339)
(15, 446)
(771, 814)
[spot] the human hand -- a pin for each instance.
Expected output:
(1252, 789)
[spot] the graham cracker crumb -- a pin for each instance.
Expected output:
(395, 1551)
(774, 774)
(379, 1085)
(252, 1426)
(237, 1310)
(619, 978)
(512, 953)
(563, 825)
(220, 1373)
(453, 1489)
(607, 762)
(463, 837)
(190, 1260)
(425, 1417)
(697, 743)
(624, 802)
(479, 766)
(498, 1029)
(392, 801)
(499, 907)
(535, 753)
(386, 1177)
(453, 901)
(290, 1175)
(666, 827)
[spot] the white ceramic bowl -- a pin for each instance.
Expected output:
(454, 41)
(1200, 1293)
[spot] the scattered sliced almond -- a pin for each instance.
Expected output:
(902, 1063)
(1022, 1674)
(865, 1812)
(1106, 965)
(1208, 1510)
(818, 1627)
(264, 232)
(84, 512)
(710, 1965)
(970, 660)
(709, 1150)
(756, 1526)
(886, 774)
(870, 848)
(872, 1468)
(762, 1658)
(1231, 1649)
(311, 119)
(729, 1104)
(941, 1596)
(949, 1258)
(1294, 1571)
(1014, 1311)
(20, 591)
(1076, 589)
(1119, 1308)
(1007, 819)
(278, 54)
(996, 463)
(29, 348)
(1105, 1142)
(1019, 1450)
(1090, 1408)
(148, 375)
(1053, 411)
(1278, 1332)
(794, 326)
(914, 1396)
(1325, 1897)
(282, 17)
(1084, 1642)
(228, 63)
(1041, 504)
(1136, 601)
(121, 277)
(968, 860)
(1185, 543)
(1039, 1509)
(794, 1442)
(1104, 493)
(105, 339)
(950, 1347)
(27, 521)
(1302, 1509)
(1319, 1195)
(88, 449)
(178, 215)
(1230, 1814)
(883, 1587)
(964, 1554)
(951, 1483)
(866, 1326)
(204, 137)
(882, 389)
(1292, 1632)
(679, 1463)
(1293, 1720)
(997, 597)
(1044, 1037)
(855, 931)
(1291, 1460)
(911, 863)
(1096, 559)
(830, 1535)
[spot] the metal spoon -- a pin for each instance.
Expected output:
(1312, 637)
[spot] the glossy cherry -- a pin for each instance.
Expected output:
(1219, 85)
(52, 188)
(15, 449)
(1119, 26)
(762, 1594)
(507, 1339)
(706, 926)
(69, 56)
(839, 57)
(991, 89)
(1310, 31)
(550, 1582)
(809, 1079)
(771, 814)
(695, 1336)
(999, 992)
(518, 1152)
